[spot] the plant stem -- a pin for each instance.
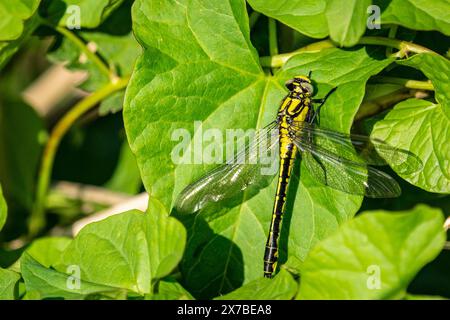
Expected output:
(277, 61)
(392, 32)
(37, 218)
(403, 46)
(407, 83)
(89, 54)
(254, 16)
(273, 41)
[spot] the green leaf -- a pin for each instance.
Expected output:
(347, 21)
(92, 12)
(3, 209)
(32, 295)
(375, 91)
(18, 22)
(344, 23)
(19, 126)
(73, 58)
(180, 53)
(114, 42)
(282, 287)
(218, 80)
(305, 16)
(126, 177)
(112, 104)
(44, 282)
(373, 256)
(128, 251)
(170, 289)
(14, 13)
(47, 251)
(416, 14)
(119, 50)
(135, 248)
(437, 69)
(422, 128)
(8, 281)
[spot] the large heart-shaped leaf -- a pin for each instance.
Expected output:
(139, 248)
(185, 75)
(422, 127)
(373, 256)
(129, 251)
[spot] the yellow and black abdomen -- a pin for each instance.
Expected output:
(271, 252)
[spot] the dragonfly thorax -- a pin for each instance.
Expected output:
(293, 109)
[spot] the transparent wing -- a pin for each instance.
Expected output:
(336, 165)
(369, 151)
(255, 165)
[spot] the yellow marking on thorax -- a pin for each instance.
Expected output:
(303, 114)
(285, 141)
(292, 106)
(284, 104)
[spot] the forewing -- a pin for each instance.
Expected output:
(253, 166)
(369, 151)
(344, 171)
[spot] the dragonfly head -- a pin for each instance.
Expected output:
(300, 84)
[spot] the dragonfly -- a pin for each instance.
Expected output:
(345, 162)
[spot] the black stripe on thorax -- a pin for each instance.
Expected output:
(299, 107)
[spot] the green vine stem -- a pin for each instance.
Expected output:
(404, 47)
(407, 83)
(254, 16)
(92, 56)
(37, 218)
(273, 41)
(392, 32)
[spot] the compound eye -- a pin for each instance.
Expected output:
(289, 85)
(308, 87)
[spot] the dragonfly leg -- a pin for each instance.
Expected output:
(322, 102)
